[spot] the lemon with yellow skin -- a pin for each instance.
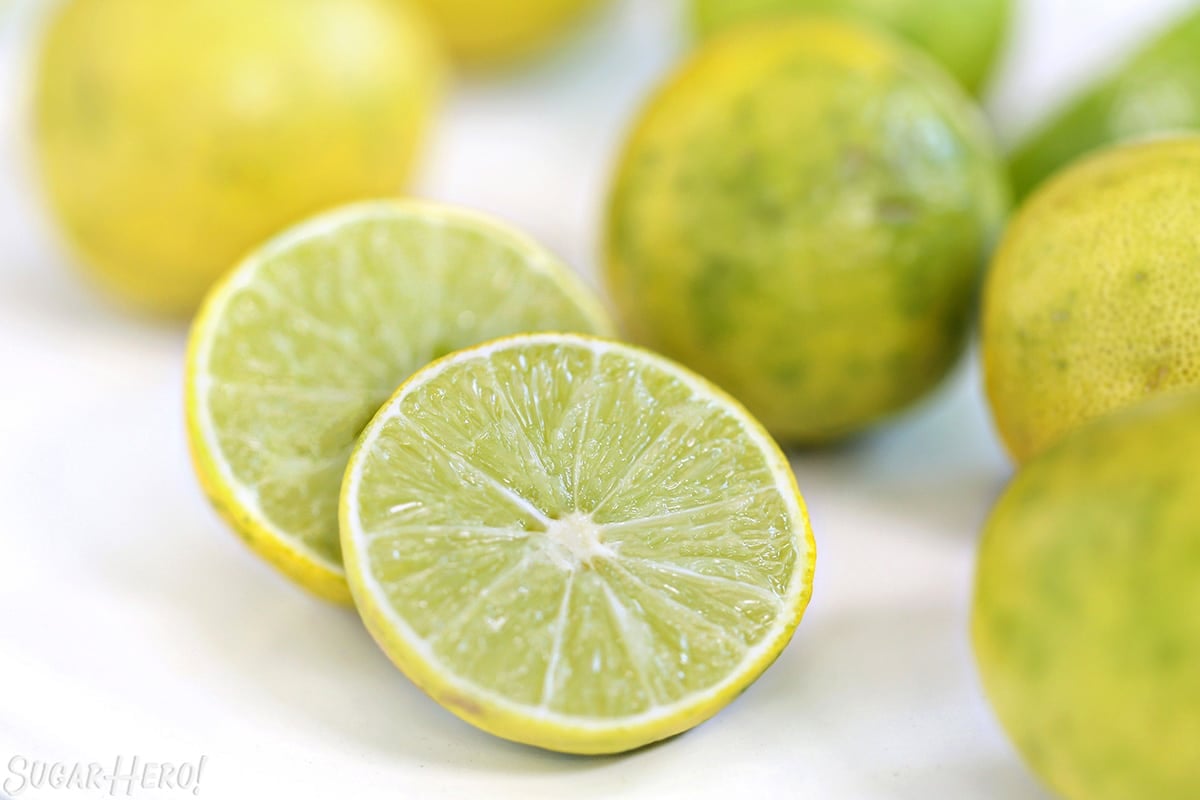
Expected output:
(801, 214)
(965, 36)
(1086, 619)
(481, 32)
(172, 137)
(1090, 305)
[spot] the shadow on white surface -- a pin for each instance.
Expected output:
(937, 467)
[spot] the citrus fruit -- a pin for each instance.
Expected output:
(174, 136)
(964, 35)
(485, 31)
(298, 347)
(1091, 301)
(801, 215)
(1087, 607)
(574, 543)
(1156, 91)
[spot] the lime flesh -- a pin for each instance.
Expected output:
(299, 347)
(574, 543)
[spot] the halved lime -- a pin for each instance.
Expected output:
(574, 543)
(299, 346)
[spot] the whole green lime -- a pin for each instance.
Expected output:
(1091, 302)
(964, 35)
(1087, 607)
(801, 214)
(1157, 90)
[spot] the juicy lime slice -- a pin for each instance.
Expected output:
(574, 543)
(299, 346)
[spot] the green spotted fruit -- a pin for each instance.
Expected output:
(801, 214)
(1086, 620)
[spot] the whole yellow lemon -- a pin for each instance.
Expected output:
(802, 214)
(487, 31)
(1091, 302)
(173, 136)
(1086, 619)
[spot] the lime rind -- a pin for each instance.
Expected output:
(422, 655)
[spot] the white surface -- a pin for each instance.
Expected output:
(132, 623)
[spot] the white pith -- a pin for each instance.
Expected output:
(575, 540)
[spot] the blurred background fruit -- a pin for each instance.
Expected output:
(480, 32)
(964, 35)
(174, 136)
(1091, 301)
(1087, 607)
(801, 214)
(1155, 91)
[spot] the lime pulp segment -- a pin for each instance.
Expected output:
(574, 543)
(299, 347)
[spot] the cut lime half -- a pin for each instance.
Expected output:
(299, 346)
(574, 543)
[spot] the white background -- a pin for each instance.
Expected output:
(131, 622)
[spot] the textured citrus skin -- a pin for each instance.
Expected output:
(801, 215)
(1091, 301)
(528, 726)
(1086, 619)
(1156, 91)
(172, 137)
(965, 36)
(480, 32)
